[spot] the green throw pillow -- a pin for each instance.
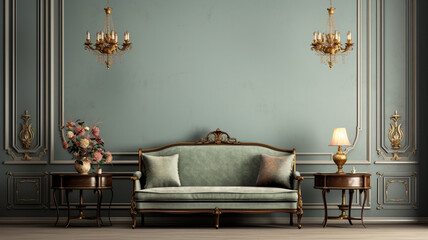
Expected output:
(161, 171)
(275, 171)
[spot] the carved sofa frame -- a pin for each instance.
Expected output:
(217, 138)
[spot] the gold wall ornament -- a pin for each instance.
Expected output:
(327, 45)
(26, 135)
(106, 47)
(395, 134)
(406, 186)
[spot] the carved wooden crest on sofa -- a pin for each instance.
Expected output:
(218, 137)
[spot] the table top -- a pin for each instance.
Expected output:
(342, 181)
(82, 175)
(342, 174)
(81, 181)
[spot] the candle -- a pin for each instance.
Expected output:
(127, 35)
(115, 37)
(88, 36)
(349, 35)
(319, 35)
(338, 37)
(98, 36)
(102, 35)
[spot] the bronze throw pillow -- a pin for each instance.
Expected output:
(275, 171)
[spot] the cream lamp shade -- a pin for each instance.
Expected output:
(340, 138)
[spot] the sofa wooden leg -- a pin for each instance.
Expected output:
(299, 220)
(134, 220)
(291, 219)
(133, 211)
(217, 213)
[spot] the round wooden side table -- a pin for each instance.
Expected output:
(75, 181)
(343, 181)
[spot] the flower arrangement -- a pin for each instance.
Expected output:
(85, 143)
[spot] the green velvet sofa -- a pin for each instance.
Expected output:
(218, 175)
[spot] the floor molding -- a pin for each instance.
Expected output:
(207, 220)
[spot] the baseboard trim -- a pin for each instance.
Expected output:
(188, 220)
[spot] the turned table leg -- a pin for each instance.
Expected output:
(362, 209)
(56, 206)
(100, 196)
(324, 191)
(109, 207)
(67, 193)
(351, 194)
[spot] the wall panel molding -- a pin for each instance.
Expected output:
(410, 148)
(27, 190)
(404, 195)
(12, 146)
(359, 89)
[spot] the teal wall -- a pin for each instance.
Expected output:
(199, 65)
(243, 66)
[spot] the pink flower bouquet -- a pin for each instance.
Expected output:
(84, 142)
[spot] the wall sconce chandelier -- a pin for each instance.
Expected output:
(327, 45)
(106, 47)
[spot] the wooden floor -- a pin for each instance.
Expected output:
(123, 231)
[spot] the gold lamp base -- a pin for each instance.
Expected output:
(340, 159)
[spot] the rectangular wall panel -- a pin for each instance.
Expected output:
(289, 112)
(396, 81)
(27, 190)
(26, 83)
(397, 190)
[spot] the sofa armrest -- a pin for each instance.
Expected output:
(295, 178)
(297, 185)
(136, 180)
(136, 185)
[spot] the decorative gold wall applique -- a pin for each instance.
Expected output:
(406, 185)
(395, 134)
(26, 135)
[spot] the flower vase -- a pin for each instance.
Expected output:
(99, 170)
(82, 165)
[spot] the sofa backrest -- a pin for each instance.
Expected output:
(224, 162)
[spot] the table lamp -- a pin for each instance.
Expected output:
(340, 138)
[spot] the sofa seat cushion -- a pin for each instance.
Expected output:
(217, 193)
